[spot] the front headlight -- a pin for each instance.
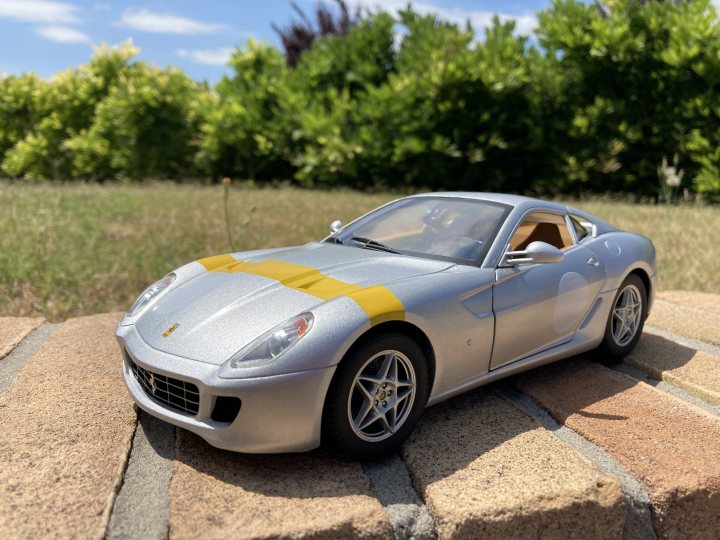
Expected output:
(272, 344)
(150, 293)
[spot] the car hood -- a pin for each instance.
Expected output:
(218, 312)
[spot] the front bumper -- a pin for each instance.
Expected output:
(281, 413)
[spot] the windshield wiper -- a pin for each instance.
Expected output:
(334, 240)
(369, 243)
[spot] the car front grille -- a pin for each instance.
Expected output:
(180, 395)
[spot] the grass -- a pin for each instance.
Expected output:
(68, 250)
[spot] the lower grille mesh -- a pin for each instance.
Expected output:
(180, 395)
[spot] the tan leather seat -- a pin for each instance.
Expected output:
(543, 232)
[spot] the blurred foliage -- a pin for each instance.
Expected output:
(244, 133)
(592, 102)
(299, 36)
(145, 127)
(111, 118)
(640, 82)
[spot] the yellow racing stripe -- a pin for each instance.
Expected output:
(378, 302)
(211, 263)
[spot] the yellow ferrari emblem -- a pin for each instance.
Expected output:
(170, 330)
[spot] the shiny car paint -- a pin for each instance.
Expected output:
(482, 321)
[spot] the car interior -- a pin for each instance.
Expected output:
(542, 227)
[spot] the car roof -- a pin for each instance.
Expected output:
(521, 204)
(502, 198)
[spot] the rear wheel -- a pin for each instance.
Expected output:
(377, 396)
(627, 318)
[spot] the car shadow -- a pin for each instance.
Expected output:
(574, 385)
(450, 436)
(306, 475)
(577, 384)
(455, 433)
(159, 434)
(322, 473)
(665, 354)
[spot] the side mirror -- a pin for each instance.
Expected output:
(335, 226)
(591, 228)
(536, 252)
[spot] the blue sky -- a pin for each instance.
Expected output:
(47, 36)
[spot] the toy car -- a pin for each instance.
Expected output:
(348, 339)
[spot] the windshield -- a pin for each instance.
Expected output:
(456, 229)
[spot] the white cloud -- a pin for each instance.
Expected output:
(524, 23)
(39, 11)
(165, 23)
(213, 57)
(62, 34)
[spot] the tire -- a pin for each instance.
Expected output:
(364, 419)
(620, 339)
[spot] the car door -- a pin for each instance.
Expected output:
(540, 305)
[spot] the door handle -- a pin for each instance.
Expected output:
(592, 261)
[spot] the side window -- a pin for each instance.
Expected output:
(542, 227)
(580, 231)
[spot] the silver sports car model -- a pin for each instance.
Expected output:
(347, 340)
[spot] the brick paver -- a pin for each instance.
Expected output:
(673, 448)
(218, 494)
(692, 314)
(14, 329)
(67, 423)
(487, 470)
(697, 372)
(483, 467)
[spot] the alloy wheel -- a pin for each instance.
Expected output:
(626, 316)
(382, 396)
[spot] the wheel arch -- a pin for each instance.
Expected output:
(389, 327)
(645, 278)
(405, 328)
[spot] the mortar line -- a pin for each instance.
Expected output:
(666, 388)
(408, 515)
(638, 521)
(18, 358)
(142, 506)
(119, 482)
(691, 343)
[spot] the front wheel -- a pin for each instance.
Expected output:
(377, 396)
(627, 318)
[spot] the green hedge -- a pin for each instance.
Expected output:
(592, 102)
